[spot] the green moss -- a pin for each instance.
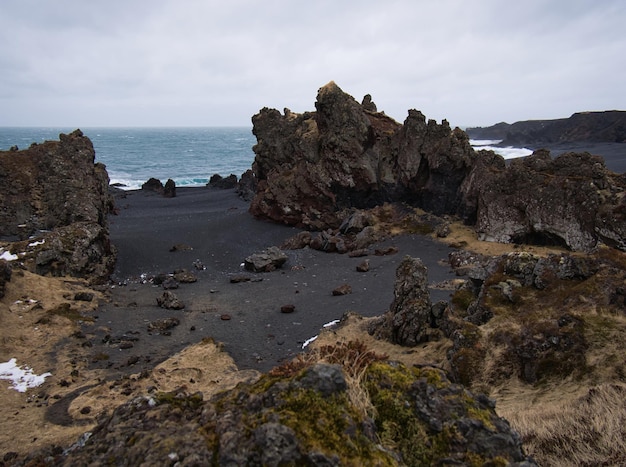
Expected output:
(462, 299)
(323, 424)
(186, 401)
(477, 413)
(399, 427)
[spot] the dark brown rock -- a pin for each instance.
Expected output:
(153, 184)
(390, 250)
(364, 266)
(411, 318)
(314, 167)
(223, 183)
(298, 241)
(84, 296)
(343, 289)
(289, 308)
(344, 155)
(5, 276)
(170, 301)
(268, 260)
(570, 201)
(240, 278)
(163, 325)
(54, 194)
(169, 190)
(185, 277)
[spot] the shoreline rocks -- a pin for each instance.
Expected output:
(55, 201)
(314, 169)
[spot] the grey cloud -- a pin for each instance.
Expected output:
(193, 62)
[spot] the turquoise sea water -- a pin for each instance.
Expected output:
(189, 156)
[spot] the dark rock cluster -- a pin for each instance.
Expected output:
(54, 204)
(542, 305)
(313, 169)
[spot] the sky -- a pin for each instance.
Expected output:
(77, 63)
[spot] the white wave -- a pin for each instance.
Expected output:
(484, 142)
(508, 152)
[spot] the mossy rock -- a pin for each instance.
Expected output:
(414, 416)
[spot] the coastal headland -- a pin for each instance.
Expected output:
(363, 233)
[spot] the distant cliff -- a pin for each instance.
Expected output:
(598, 127)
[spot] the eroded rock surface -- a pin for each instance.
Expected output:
(572, 201)
(310, 166)
(54, 195)
(313, 169)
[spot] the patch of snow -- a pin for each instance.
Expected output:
(332, 323)
(40, 242)
(22, 378)
(7, 256)
(308, 341)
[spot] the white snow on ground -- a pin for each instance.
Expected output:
(327, 325)
(21, 378)
(308, 341)
(7, 256)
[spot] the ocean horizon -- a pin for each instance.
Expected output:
(188, 155)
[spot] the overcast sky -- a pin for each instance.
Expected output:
(81, 63)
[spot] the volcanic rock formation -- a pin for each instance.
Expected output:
(56, 197)
(313, 168)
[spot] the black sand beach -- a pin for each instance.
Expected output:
(214, 227)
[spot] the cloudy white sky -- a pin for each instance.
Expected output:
(80, 63)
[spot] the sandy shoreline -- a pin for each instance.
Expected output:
(214, 227)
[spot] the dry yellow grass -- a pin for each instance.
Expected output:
(562, 429)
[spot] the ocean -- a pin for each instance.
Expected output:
(189, 156)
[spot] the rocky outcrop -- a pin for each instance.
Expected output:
(154, 184)
(571, 201)
(310, 417)
(223, 183)
(313, 170)
(55, 195)
(412, 318)
(609, 126)
(541, 314)
(313, 165)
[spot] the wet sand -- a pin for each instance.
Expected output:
(215, 228)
